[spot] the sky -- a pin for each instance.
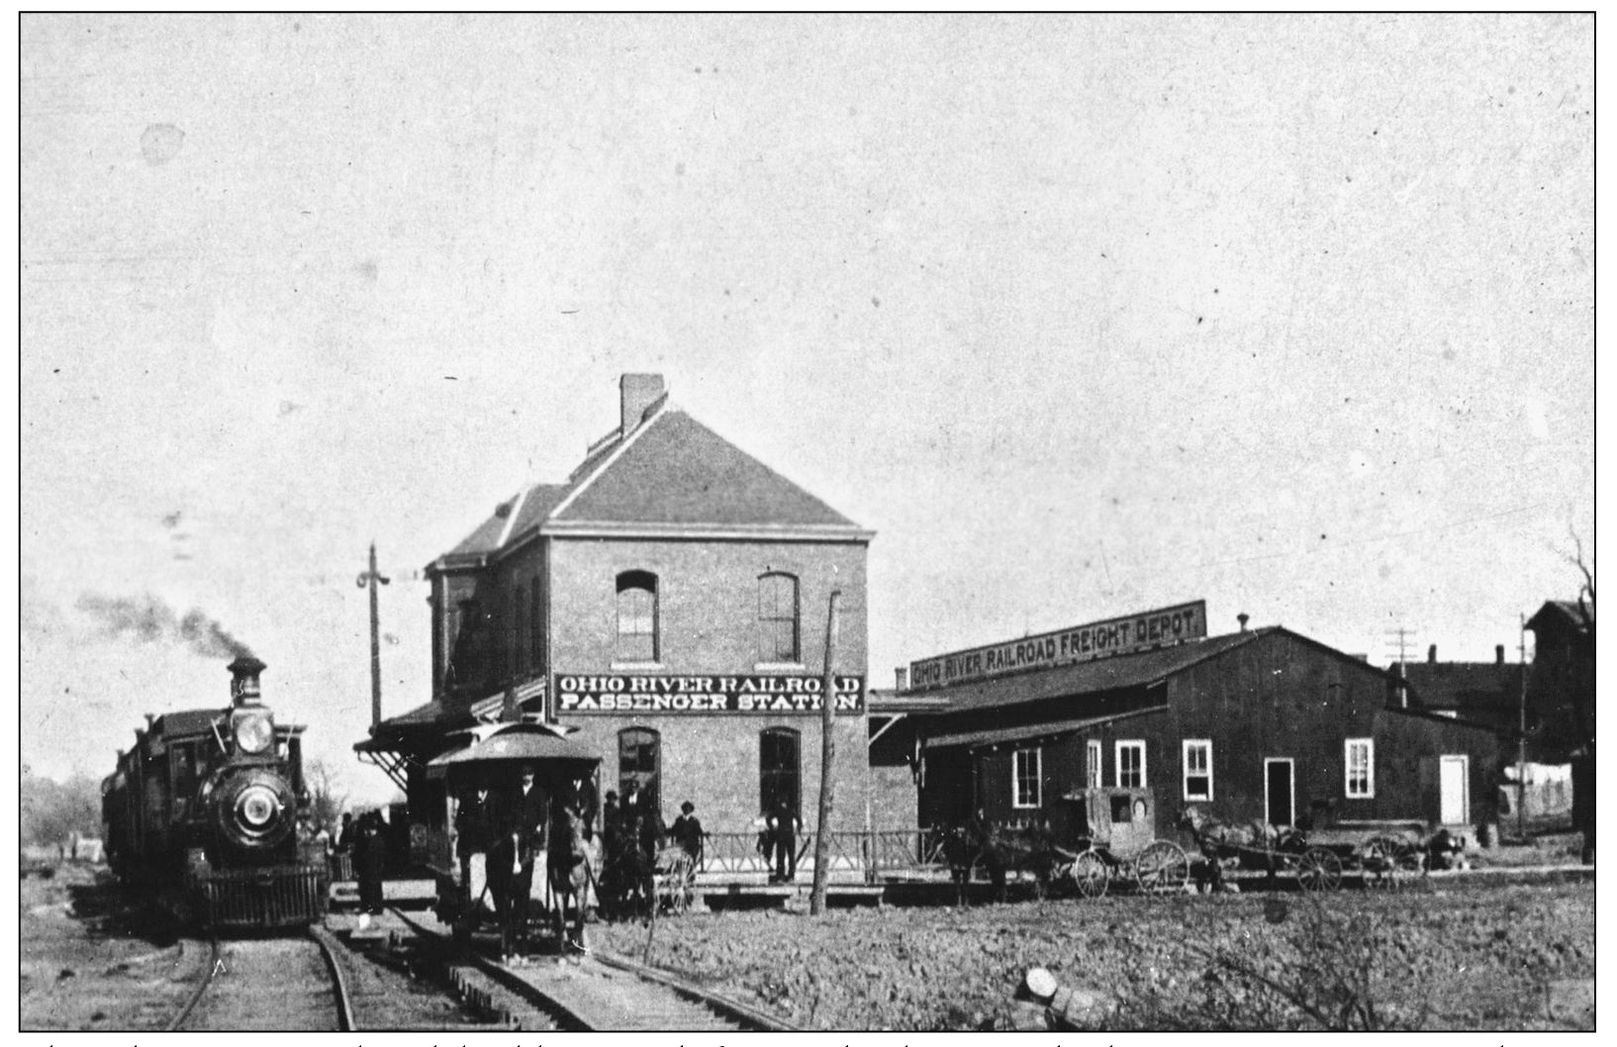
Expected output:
(1081, 315)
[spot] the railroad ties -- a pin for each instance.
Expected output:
(596, 993)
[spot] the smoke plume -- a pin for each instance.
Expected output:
(150, 620)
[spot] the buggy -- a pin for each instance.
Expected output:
(1114, 837)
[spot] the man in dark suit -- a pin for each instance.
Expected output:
(526, 814)
(477, 824)
(783, 826)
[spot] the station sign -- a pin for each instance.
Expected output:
(1081, 643)
(678, 695)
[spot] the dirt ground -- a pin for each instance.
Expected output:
(84, 967)
(1474, 958)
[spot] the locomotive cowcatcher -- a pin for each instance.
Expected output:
(206, 812)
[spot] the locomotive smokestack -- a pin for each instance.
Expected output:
(244, 680)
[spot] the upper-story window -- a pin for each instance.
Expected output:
(637, 617)
(777, 618)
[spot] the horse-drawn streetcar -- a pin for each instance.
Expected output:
(468, 870)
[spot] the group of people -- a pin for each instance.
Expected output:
(365, 842)
(509, 827)
(633, 835)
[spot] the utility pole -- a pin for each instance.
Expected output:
(371, 578)
(828, 748)
(1521, 739)
(1402, 635)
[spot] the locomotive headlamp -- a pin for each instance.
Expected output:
(257, 807)
(254, 734)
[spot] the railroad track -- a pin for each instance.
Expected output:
(598, 992)
(283, 984)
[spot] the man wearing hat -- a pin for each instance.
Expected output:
(528, 812)
(688, 832)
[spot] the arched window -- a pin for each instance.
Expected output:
(777, 618)
(640, 761)
(779, 770)
(637, 617)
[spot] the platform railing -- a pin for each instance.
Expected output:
(867, 854)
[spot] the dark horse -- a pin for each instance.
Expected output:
(1252, 844)
(998, 849)
(567, 865)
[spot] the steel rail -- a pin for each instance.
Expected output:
(211, 968)
(751, 1019)
(328, 949)
(567, 1019)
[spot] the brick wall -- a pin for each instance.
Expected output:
(707, 595)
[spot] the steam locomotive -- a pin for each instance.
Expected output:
(205, 812)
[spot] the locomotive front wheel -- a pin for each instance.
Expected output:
(1089, 872)
(1161, 868)
(1319, 870)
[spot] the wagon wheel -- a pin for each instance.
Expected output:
(1089, 872)
(674, 888)
(1162, 867)
(1319, 870)
(1391, 856)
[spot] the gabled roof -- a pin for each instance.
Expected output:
(1116, 673)
(1464, 685)
(672, 474)
(1558, 612)
(677, 470)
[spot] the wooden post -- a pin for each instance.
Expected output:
(370, 578)
(1521, 739)
(828, 748)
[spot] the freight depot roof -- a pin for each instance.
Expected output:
(672, 472)
(1029, 732)
(1114, 673)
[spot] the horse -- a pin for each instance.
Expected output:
(1225, 844)
(569, 873)
(628, 875)
(998, 849)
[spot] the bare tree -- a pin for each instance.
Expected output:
(326, 797)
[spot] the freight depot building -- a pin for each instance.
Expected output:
(1263, 723)
(670, 602)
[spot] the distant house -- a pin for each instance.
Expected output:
(1482, 692)
(1561, 683)
(1263, 724)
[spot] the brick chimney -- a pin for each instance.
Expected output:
(901, 678)
(637, 392)
(1499, 654)
(1431, 655)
